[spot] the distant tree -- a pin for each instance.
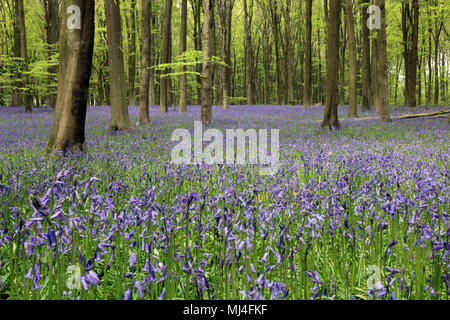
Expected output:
(132, 54)
(23, 93)
(165, 55)
(248, 16)
(52, 28)
(353, 77)
(120, 120)
(75, 64)
(383, 88)
(308, 53)
(410, 28)
(144, 87)
(365, 56)
(183, 46)
(226, 14)
(330, 118)
(208, 27)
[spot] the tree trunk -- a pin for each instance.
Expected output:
(383, 86)
(183, 45)
(330, 118)
(120, 120)
(307, 89)
(374, 75)
(20, 49)
(165, 55)
(132, 55)
(52, 28)
(75, 57)
(365, 58)
(352, 107)
(410, 28)
(208, 27)
(248, 14)
(144, 86)
(226, 13)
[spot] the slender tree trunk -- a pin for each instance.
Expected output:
(132, 55)
(308, 53)
(164, 89)
(208, 27)
(226, 13)
(76, 50)
(330, 118)
(52, 28)
(352, 107)
(144, 86)
(365, 57)
(183, 45)
(374, 75)
(383, 86)
(120, 120)
(410, 27)
(248, 14)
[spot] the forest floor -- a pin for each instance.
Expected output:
(359, 213)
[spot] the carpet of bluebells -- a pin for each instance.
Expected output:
(361, 213)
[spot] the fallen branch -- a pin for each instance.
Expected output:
(444, 113)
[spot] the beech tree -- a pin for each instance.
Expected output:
(120, 120)
(144, 80)
(226, 14)
(164, 89)
(183, 45)
(383, 89)
(208, 27)
(330, 118)
(353, 77)
(75, 63)
(308, 53)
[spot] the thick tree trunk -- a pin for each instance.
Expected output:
(330, 118)
(120, 120)
(52, 28)
(165, 56)
(75, 56)
(365, 57)
(132, 55)
(383, 86)
(208, 27)
(183, 45)
(144, 80)
(352, 106)
(307, 88)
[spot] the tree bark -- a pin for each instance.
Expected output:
(165, 55)
(352, 106)
(330, 118)
(144, 86)
(183, 45)
(76, 50)
(208, 27)
(120, 120)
